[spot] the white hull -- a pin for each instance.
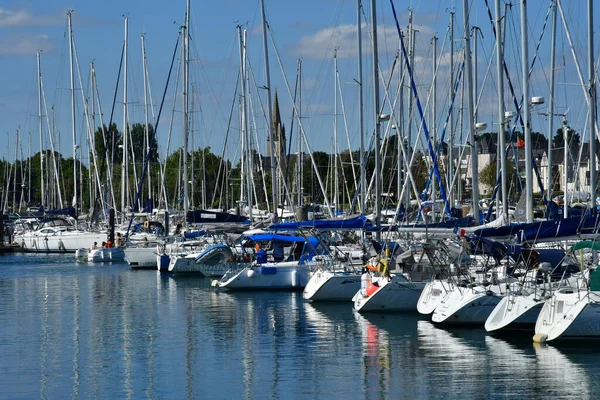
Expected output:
(470, 306)
(106, 255)
(283, 275)
(183, 264)
(140, 257)
(432, 295)
(61, 241)
(514, 312)
(332, 286)
(215, 271)
(569, 313)
(399, 294)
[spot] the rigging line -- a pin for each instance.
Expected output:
(419, 107)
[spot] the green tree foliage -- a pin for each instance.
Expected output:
(573, 139)
(488, 175)
(106, 144)
(140, 145)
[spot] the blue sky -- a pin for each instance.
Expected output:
(308, 30)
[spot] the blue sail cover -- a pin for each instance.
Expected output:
(63, 211)
(213, 217)
(450, 223)
(562, 228)
(358, 222)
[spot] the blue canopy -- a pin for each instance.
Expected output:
(358, 222)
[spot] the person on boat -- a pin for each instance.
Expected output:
(95, 246)
(261, 255)
(118, 240)
(109, 244)
(103, 245)
(145, 242)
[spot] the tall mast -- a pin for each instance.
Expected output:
(526, 112)
(592, 94)
(335, 133)
(471, 114)
(501, 118)
(300, 162)
(186, 87)
(125, 133)
(146, 127)
(249, 157)
(451, 130)
(377, 116)
(433, 107)
(40, 118)
(271, 127)
(551, 102)
(246, 153)
(73, 110)
(361, 122)
(411, 56)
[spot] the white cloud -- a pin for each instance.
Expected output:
(20, 18)
(24, 45)
(342, 37)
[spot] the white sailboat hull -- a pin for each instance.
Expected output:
(514, 312)
(283, 276)
(467, 306)
(399, 294)
(61, 241)
(140, 257)
(332, 286)
(432, 295)
(570, 313)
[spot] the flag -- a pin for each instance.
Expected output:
(520, 142)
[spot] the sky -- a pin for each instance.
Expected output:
(308, 31)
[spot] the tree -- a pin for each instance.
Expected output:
(139, 145)
(488, 175)
(113, 139)
(573, 139)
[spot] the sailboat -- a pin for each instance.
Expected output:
(572, 312)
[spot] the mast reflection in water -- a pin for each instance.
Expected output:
(87, 331)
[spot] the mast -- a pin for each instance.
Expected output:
(40, 118)
(377, 116)
(592, 94)
(471, 114)
(411, 56)
(526, 112)
(361, 122)
(300, 162)
(246, 153)
(73, 110)
(146, 127)
(433, 108)
(335, 133)
(249, 158)
(501, 118)
(451, 127)
(186, 86)
(271, 127)
(551, 102)
(125, 133)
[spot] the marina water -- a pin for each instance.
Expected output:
(71, 330)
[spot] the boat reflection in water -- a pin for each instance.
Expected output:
(91, 331)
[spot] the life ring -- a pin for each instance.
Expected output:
(146, 224)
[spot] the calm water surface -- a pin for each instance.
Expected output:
(72, 330)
